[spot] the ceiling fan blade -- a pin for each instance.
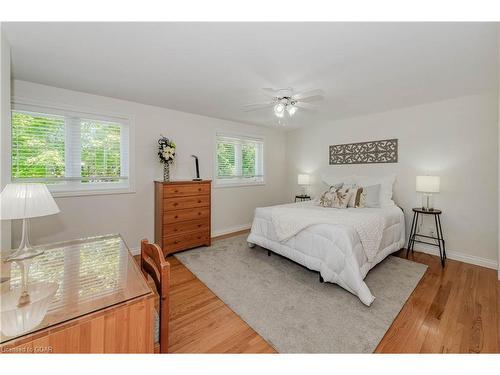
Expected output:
(256, 107)
(308, 93)
(309, 99)
(257, 104)
(306, 106)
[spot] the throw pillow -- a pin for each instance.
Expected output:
(372, 195)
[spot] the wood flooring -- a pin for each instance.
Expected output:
(455, 310)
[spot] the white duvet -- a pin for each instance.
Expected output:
(341, 244)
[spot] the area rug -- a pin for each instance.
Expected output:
(287, 305)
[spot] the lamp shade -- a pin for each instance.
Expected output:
(303, 179)
(428, 184)
(22, 201)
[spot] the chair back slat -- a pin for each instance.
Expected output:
(154, 264)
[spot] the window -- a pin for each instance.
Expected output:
(239, 160)
(69, 151)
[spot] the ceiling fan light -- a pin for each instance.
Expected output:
(291, 109)
(279, 109)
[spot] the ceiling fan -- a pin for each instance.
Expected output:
(286, 101)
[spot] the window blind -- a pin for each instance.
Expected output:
(38, 146)
(68, 151)
(239, 159)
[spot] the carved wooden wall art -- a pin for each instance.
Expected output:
(385, 151)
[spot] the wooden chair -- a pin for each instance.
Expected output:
(154, 264)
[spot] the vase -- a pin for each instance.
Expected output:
(166, 172)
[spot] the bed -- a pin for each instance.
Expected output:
(335, 246)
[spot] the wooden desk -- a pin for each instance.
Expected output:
(103, 304)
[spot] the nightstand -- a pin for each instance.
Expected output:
(439, 231)
(302, 198)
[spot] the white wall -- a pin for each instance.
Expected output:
(456, 139)
(498, 155)
(132, 214)
(5, 226)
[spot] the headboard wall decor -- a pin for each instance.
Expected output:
(384, 151)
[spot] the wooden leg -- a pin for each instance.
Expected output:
(321, 279)
(268, 253)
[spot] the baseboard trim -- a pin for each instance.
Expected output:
(478, 261)
(216, 235)
(231, 231)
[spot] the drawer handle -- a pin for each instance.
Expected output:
(199, 237)
(175, 230)
(176, 242)
(199, 200)
(199, 189)
(176, 191)
(175, 203)
(199, 213)
(199, 225)
(176, 217)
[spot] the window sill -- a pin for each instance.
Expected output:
(82, 193)
(237, 184)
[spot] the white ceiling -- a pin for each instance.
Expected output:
(213, 68)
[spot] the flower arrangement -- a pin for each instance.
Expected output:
(166, 153)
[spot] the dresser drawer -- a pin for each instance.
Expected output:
(186, 241)
(179, 203)
(175, 229)
(179, 190)
(177, 216)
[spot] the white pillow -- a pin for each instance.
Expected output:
(386, 184)
(333, 180)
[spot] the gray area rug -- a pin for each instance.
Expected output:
(287, 305)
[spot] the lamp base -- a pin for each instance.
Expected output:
(25, 250)
(427, 202)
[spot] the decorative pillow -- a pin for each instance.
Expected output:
(341, 198)
(372, 195)
(357, 199)
(326, 199)
(335, 197)
(386, 185)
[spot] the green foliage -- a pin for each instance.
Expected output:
(39, 143)
(100, 149)
(37, 146)
(248, 163)
(226, 155)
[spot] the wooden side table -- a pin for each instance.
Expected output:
(439, 231)
(302, 198)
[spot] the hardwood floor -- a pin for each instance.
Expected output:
(201, 323)
(455, 310)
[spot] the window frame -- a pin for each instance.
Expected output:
(77, 188)
(240, 182)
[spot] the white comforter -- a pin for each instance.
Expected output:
(320, 240)
(368, 225)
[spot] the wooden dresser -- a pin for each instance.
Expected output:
(182, 214)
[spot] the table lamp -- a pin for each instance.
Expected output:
(427, 185)
(303, 180)
(24, 201)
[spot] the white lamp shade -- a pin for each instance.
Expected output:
(22, 201)
(428, 184)
(303, 179)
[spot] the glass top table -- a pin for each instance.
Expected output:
(92, 274)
